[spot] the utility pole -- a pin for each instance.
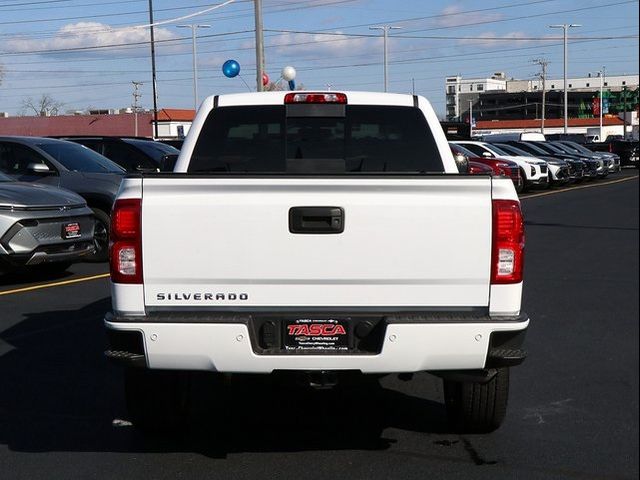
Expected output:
(470, 118)
(543, 75)
(259, 45)
(385, 35)
(601, 103)
(194, 27)
(565, 27)
(136, 97)
(624, 112)
(153, 72)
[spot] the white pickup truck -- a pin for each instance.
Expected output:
(317, 233)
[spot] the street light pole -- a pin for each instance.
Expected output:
(385, 35)
(194, 27)
(565, 27)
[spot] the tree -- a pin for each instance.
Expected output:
(45, 106)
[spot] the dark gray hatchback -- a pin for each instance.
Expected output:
(68, 165)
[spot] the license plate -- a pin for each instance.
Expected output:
(306, 334)
(71, 230)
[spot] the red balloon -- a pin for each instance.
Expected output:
(265, 79)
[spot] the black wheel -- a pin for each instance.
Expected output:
(157, 400)
(477, 407)
(519, 186)
(100, 237)
(524, 187)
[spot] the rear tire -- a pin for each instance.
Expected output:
(157, 400)
(477, 407)
(524, 187)
(100, 237)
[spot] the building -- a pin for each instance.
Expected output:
(499, 98)
(459, 92)
(588, 126)
(172, 123)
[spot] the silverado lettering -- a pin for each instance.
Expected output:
(201, 296)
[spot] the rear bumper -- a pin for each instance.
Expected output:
(227, 343)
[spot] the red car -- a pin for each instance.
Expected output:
(476, 168)
(498, 166)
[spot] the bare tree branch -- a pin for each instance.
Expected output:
(45, 106)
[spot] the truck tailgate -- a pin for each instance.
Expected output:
(214, 242)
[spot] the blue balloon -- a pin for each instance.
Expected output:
(231, 68)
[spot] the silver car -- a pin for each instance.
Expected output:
(42, 225)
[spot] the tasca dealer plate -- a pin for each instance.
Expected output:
(71, 230)
(305, 334)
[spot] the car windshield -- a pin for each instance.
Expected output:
(465, 151)
(78, 158)
(513, 150)
(565, 148)
(155, 150)
(579, 148)
(498, 150)
(549, 147)
(533, 148)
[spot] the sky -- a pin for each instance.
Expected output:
(86, 53)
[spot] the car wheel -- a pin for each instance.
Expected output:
(100, 237)
(157, 400)
(524, 186)
(519, 186)
(474, 407)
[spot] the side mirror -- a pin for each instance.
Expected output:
(168, 162)
(487, 155)
(462, 162)
(38, 168)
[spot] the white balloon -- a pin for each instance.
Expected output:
(288, 73)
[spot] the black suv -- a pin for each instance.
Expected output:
(132, 154)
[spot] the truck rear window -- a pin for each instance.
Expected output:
(357, 139)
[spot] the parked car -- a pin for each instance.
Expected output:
(499, 166)
(532, 170)
(175, 143)
(42, 226)
(577, 168)
(476, 168)
(132, 154)
(68, 165)
(603, 162)
(614, 166)
(627, 150)
(334, 262)
(559, 170)
(593, 167)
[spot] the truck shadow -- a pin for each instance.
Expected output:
(60, 394)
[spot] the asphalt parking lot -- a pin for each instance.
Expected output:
(573, 408)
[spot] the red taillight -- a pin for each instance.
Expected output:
(507, 253)
(125, 242)
(328, 97)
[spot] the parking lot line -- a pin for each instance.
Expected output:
(54, 284)
(572, 189)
